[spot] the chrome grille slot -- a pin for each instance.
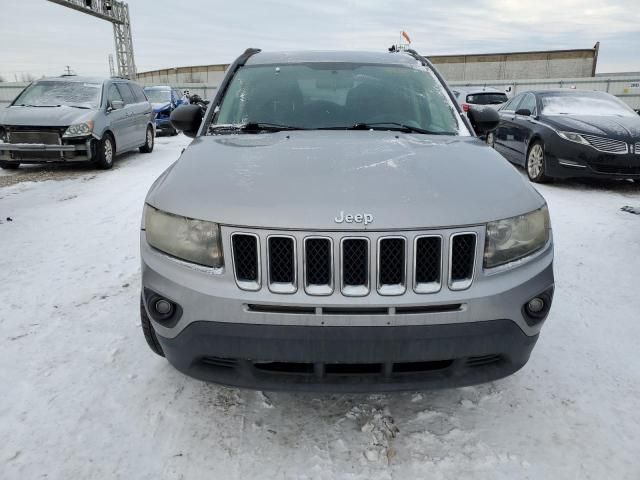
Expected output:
(246, 260)
(636, 148)
(427, 264)
(461, 260)
(392, 265)
(318, 261)
(355, 266)
(606, 145)
(282, 264)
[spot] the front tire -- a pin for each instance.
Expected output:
(105, 152)
(150, 139)
(148, 331)
(535, 165)
(9, 165)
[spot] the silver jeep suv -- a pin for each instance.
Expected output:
(337, 225)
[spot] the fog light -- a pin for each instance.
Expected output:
(535, 305)
(163, 307)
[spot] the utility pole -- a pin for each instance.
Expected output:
(117, 13)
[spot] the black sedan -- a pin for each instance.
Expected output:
(569, 133)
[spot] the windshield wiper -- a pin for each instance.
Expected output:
(78, 106)
(392, 126)
(253, 127)
(28, 105)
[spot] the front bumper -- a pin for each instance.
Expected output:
(163, 123)
(42, 153)
(349, 359)
(221, 336)
(569, 160)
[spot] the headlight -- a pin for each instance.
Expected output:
(516, 237)
(195, 241)
(79, 130)
(573, 137)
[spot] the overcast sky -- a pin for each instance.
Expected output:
(39, 37)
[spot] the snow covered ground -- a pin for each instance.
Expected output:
(83, 397)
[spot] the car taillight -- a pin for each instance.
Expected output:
(465, 107)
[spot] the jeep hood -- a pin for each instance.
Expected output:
(304, 179)
(62, 116)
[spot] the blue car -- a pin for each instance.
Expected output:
(164, 100)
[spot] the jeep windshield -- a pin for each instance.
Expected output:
(55, 93)
(337, 96)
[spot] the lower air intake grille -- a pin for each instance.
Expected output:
(245, 257)
(355, 262)
(463, 249)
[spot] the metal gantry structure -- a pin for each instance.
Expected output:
(117, 13)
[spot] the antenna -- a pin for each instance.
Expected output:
(403, 44)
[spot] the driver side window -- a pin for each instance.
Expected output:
(529, 102)
(512, 105)
(114, 95)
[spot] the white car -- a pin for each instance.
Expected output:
(488, 96)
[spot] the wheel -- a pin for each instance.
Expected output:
(535, 163)
(9, 165)
(148, 144)
(105, 152)
(174, 132)
(491, 139)
(148, 331)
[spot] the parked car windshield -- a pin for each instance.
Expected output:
(487, 98)
(55, 93)
(584, 104)
(158, 95)
(339, 95)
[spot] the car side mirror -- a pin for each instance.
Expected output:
(525, 112)
(116, 104)
(187, 118)
(483, 119)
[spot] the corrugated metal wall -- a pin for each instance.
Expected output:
(208, 74)
(514, 66)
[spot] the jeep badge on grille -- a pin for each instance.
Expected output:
(365, 218)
